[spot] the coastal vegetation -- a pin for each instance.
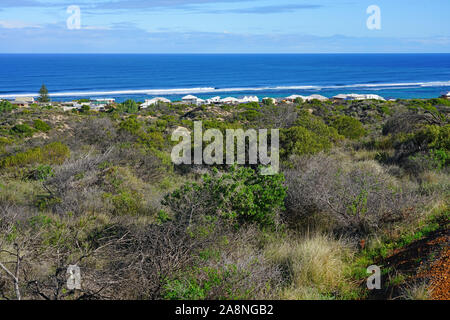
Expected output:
(361, 183)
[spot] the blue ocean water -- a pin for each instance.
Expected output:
(140, 77)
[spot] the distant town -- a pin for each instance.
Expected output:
(104, 104)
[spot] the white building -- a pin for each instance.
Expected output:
(150, 102)
(373, 97)
(213, 100)
(446, 95)
(294, 97)
(190, 99)
(316, 97)
(230, 100)
(105, 100)
(249, 99)
(354, 96)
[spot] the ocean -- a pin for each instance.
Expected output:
(141, 76)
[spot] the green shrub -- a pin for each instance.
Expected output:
(349, 127)
(85, 108)
(204, 282)
(22, 130)
(241, 195)
(317, 126)
(249, 115)
(42, 172)
(301, 141)
(131, 125)
(41, 125)
(6, 106)
(126, 203)
(128, 106)
(53, 153)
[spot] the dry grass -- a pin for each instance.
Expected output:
(314, 265)
(416, 291)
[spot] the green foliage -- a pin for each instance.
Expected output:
(249, 115)
(436, 137)
(317, 126)
(301, 141)
(41, 125)
(131, 125)
(42, 172)
(310, 135)
(6, 106)
(202, 283)
(53, 153)
(349, 127)
(126, 203)
(85, 108)
(249, 106)
(22, 130)
(128, 106)
(241, 195)
(43, 94)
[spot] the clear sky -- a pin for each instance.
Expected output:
(223, 26)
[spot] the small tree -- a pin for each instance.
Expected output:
(43, 94)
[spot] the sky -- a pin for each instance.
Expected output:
(224, 26)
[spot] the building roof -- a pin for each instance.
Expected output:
(340, 96)
(295, 96)
(355, 96)
(229, 99)
(316, 97)
(189, 97)
(24, 99)
(250, 99)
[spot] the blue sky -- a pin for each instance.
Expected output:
(223, 26)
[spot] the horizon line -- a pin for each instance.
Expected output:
(218, 53)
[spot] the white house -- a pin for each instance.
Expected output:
(23, 101)
(446, 95)
(294, 97)
(190, 99)
(373, 97)
(249, 99)
(316, 97)
(149, 102)
(105, 100)
(230, 100)
(340, 97)
(354, 96)
(213, 100)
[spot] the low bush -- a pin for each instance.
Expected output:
(41, 125)
(53, 153)
(6, 106)
(310, 135)
(360, 198)
(349, 127)
(22, 130)
(241, 195)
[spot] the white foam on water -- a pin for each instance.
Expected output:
(211, 90)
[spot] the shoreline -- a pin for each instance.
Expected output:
(217, 90)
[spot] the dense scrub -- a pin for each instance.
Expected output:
(99, 190)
